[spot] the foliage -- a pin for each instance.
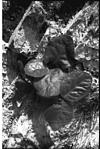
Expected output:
(25, 115)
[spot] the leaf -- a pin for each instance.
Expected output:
(58, 115)
(35, 68)
(76, 86)
(71, 86)
(50, 85)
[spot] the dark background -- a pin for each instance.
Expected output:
(13, 10)
(68, 7)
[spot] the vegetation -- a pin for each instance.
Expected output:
(44, 112)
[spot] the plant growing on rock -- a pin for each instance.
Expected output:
(45, 107)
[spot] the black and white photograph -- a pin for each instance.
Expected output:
(50, 74)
